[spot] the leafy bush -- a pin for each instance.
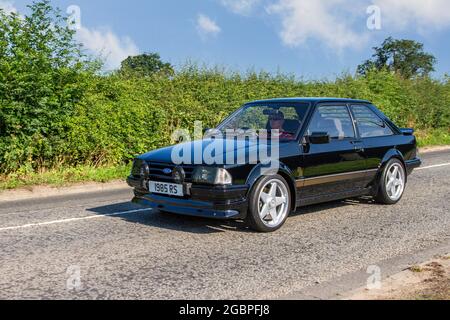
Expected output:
(120, 118)
(56, 111)
(43, 76)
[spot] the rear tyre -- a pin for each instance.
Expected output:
(392, 183)
(269, 204)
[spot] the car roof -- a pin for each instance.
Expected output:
(312, 100)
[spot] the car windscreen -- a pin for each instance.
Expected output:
(285, 117)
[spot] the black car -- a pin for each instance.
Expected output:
(327, 149)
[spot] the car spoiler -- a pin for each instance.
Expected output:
(407, 131)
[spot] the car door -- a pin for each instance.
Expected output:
(335, 167)
(376, 135)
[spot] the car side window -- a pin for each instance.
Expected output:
(370, 124)
(334, 120)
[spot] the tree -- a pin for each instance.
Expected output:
(42, 72)
(404, 57)
(146, 64)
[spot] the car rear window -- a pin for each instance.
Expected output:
(369, 124)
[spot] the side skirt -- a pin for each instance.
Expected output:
(334, 197)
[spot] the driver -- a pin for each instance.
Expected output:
(277, 121)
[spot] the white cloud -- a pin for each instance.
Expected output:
(108, 45)
(7, 6)
(242, 7)
(332, 22)
(323, 20)
(207, 27)
(415, 14)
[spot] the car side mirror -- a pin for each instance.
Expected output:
(318, 138)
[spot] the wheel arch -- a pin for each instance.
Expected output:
(391, 154)
(284, 171)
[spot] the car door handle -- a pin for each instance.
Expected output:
(358, 146)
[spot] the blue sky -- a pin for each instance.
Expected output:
(313, 39)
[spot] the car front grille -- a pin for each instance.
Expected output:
(155, 171)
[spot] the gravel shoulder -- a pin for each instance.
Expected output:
(425, 281)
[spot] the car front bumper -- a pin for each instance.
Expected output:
(218, 202)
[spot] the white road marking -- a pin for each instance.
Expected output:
(72, 220)
(133, 211)
(54, 208)
(435, 166)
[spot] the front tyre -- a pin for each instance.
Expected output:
(270, 204)
(392, 183)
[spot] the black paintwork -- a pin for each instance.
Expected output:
(300, 161)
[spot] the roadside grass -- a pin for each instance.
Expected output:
(436, 137)
(67, 176)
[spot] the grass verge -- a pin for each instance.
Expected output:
(437, 137)
(65, 176)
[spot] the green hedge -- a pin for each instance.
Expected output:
(56, 111)
(117, 118)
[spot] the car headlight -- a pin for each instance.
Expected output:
(214, 176)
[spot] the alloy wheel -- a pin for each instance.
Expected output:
(273, 204)
(395, 182)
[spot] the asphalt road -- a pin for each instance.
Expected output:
(99, 246)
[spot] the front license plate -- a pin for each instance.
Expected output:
(166, 188)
